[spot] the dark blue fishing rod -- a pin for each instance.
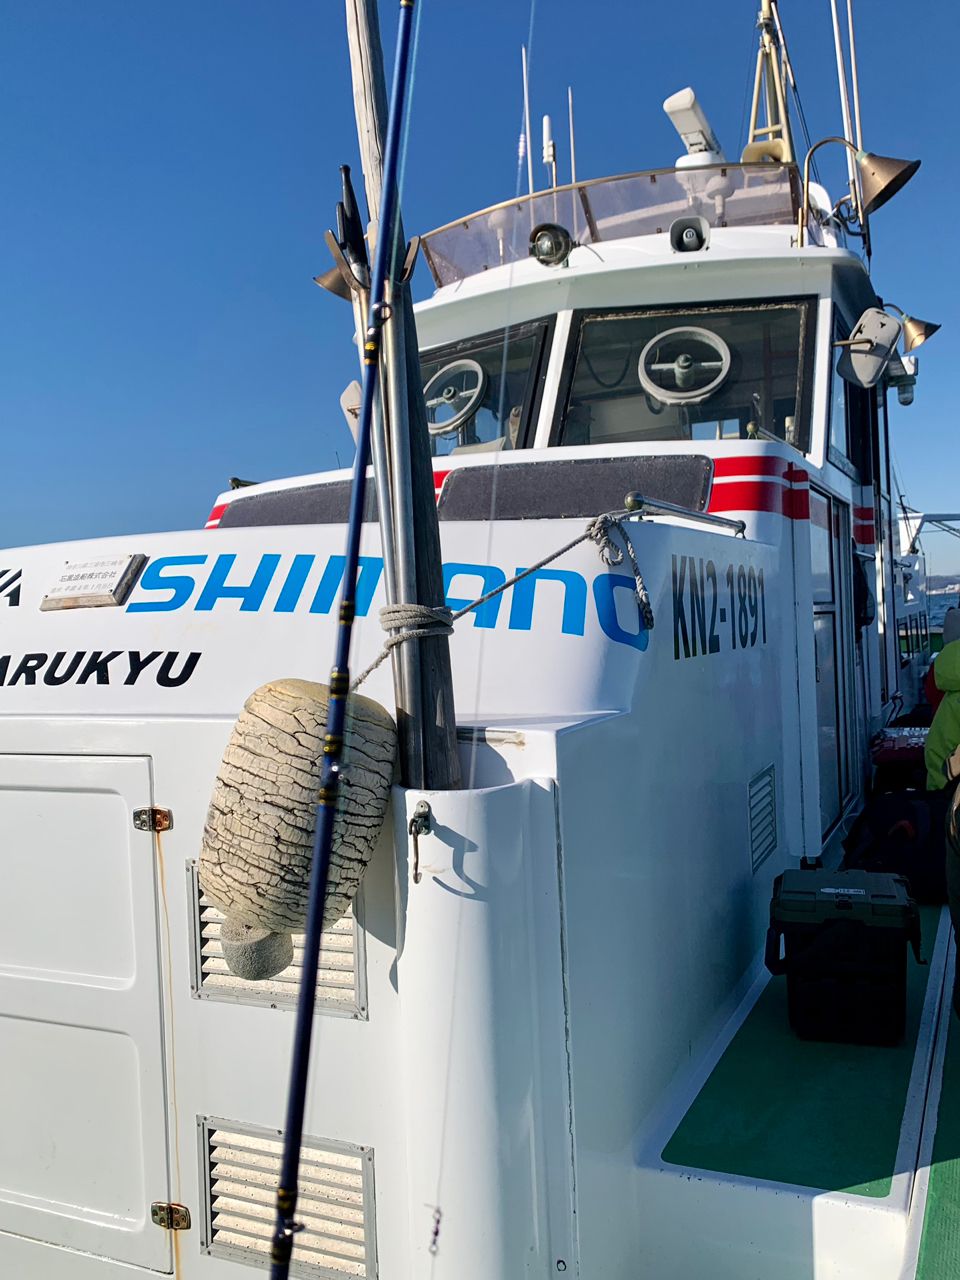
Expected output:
(288, 1189)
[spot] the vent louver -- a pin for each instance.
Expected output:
(762, 807)
(341, 986)
(241, 1167)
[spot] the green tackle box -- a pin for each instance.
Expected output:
(841, 939)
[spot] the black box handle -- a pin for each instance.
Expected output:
(776, 963)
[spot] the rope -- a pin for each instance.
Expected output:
(612, 555)
(407, 622)
(417, 621)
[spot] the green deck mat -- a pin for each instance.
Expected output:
(940, 1244)
(802, 1112)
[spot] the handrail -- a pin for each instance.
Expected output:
(759, 166)
(637, 504)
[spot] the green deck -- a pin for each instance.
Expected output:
(810, 1114)
(940, 1245)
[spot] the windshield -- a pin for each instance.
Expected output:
(481, 394)
(738, 371)
(638, 204)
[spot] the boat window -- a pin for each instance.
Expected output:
(839, 423)
(482, 394)
(852, 414)
(738, 371)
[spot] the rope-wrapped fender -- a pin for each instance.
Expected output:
(258, 838)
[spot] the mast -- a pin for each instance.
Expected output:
(772, 140)
(425, 708)
(845, 110)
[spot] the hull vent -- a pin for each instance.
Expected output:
(341, 984)
(762, 806)
(241, 1165)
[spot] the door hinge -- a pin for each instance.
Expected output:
(172, 1217)
(152, 819)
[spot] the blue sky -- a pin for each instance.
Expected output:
(169, 170)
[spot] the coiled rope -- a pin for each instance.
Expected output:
(414, 621)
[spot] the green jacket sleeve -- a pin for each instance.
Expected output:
(942, 740)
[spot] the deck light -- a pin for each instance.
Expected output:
(881, 177)
(550, 244)
(915, 332)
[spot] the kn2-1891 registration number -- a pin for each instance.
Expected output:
(716, 607)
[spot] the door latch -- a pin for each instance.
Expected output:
(419, 826)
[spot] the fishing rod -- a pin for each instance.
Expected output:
(377, 315)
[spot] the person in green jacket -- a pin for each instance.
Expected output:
(944, 736)
(942, 758)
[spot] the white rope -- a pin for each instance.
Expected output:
(417, 621)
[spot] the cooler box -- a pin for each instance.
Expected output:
(841, 939)
(897, 756)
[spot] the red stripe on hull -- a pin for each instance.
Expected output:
(759, 466)
(761, 495)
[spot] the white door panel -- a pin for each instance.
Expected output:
(83, 1149)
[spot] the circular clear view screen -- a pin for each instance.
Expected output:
(684, 366)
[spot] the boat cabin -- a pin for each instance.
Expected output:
(667, 325)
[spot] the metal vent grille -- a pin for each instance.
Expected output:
(762, 806)
(341, 981)
(241, 1165)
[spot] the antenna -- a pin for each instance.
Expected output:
(853, 73)
(845, 109)
(573, 164)
(549, 150)
(696, 133)
(573, 144)
(526, 117)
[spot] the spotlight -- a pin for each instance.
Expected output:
(915, 332)
(881, 177)
(551, 244)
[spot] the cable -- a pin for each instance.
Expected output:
(608, 386)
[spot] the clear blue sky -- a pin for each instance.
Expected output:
(169, 170)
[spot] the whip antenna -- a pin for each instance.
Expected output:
(526, 117)
(288, 1189)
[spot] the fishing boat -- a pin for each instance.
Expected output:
(544, 1039)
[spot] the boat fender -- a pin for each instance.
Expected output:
(254, 953)
(257, 844)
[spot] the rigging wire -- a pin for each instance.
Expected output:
(288, 1189)
(520, 172)
(446, 1086)
(795, 89)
